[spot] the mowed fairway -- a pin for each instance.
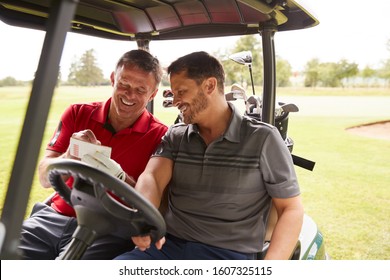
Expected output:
(347, 194)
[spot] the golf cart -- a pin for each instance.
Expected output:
(141, 21)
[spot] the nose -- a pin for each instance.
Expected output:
(176, 101)
(129, 92)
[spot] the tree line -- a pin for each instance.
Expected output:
(86, 72)
(83, 71)
(315, 73)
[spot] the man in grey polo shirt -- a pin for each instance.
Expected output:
(221, 172)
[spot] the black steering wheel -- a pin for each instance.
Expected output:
(103, 203)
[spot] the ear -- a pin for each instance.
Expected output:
(153, 95)
(112, 78)
(210, 85)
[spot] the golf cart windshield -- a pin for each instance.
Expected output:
(132, 20)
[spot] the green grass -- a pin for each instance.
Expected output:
(347, 194)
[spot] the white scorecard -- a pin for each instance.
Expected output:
(80, 148)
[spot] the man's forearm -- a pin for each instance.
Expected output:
(285, 235)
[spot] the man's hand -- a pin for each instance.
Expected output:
(104, 163)
(143, 242)
(84, 135)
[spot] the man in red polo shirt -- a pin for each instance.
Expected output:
(122, 123)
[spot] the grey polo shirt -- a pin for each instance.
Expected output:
(220, 194)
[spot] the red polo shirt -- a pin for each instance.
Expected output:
(131, 147)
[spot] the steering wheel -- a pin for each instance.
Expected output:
(103, 203)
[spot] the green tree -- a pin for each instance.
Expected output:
(367, 73)
(74, 68)
(328, 74)
(9, 81)
(384, 71)
(85, 72)
(312, 74)
(236, 73)
(346, 70)
(283, 72)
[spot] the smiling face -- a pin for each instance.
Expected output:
(188, 97)
(133, 88)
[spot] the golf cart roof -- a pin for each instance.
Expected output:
(163, 19)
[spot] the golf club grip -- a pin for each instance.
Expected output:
(304, 163)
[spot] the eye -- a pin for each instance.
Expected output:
(141, 91)
(123, 86)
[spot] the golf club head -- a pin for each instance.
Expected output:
(255, 100)
(167, 103)
(229, 96)
(244, 57)
(288, 107)
(167, 93)
(254, 105)
(238, 92)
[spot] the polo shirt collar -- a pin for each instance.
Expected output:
(234, 129)
(233, 132)
(141, 125)
(101, 112)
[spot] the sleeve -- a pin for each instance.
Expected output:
(60, 139)
(170, 142)
(277, 167)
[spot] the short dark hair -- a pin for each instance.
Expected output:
(144, 61)
(199, 66)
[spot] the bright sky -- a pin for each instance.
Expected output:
(356, 30)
